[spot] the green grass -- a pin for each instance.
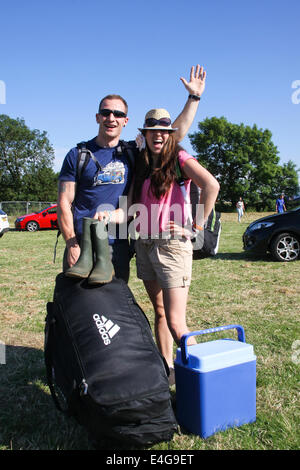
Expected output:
(258, 293)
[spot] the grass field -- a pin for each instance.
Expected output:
(260, 294)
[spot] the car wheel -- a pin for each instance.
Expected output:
(285, 247)
(32, 226)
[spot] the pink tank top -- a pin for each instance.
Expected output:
(153, 214)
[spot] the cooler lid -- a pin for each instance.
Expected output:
(212, 355)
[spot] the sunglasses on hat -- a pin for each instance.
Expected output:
(117, 114)
(151, 122)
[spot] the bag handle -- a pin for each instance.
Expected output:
(184, 338)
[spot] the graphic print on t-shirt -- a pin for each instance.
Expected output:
(113, 173)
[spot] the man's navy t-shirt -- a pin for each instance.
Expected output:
(97, 188)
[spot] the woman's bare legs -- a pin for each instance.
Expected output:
(170, 317)
(163, 335)
(175, 302)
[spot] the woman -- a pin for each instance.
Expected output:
(240, 207)
(164, 250)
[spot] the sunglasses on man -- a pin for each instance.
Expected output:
(151, 122)
(107, 112)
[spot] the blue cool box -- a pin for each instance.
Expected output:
(215, 383)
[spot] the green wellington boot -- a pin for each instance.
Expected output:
(103, 269)
(84, 264)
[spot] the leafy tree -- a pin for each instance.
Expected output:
(41, 185)
(287, 179)
(245, 161)
(26, 160)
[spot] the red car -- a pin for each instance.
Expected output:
(47, 218)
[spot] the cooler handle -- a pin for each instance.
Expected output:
(184, 338)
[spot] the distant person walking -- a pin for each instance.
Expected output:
(240, 207)
(280, 205)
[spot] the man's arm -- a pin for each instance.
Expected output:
(66, 194)
(196, 87)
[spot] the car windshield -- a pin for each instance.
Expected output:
(38, 212)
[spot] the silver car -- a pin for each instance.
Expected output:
(4, 224)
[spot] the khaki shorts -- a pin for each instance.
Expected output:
(169, 262)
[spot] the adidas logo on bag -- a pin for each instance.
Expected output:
(107, 329)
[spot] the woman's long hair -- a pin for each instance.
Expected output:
(163, 175)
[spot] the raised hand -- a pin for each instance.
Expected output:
(196, 85)
(140, 141)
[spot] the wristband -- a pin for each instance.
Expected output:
(195, 97)
(197, 227)
(72, 242)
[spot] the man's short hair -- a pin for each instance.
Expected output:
(114, 97)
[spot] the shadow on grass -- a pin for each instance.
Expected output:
(241, 256)
(17, 230)
(28, 416)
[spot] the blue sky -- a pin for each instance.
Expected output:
(59, 58)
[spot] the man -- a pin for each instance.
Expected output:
(280, 205)
(106, 185)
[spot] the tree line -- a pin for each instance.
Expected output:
(243, 159)
(246, 163)
(26, 163)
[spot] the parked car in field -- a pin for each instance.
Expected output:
(4, 224)
(278, 234)
(46, 218)
(292, 202)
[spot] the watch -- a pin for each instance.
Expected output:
(195, 97)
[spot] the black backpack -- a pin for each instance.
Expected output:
(103, 367)
(206, 243)
(84, 155)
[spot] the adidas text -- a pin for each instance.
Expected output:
(107, 329)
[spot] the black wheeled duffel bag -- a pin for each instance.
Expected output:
(103, 366)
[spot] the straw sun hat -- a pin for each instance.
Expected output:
(157, 114)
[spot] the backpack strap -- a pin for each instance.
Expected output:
(84, 155)
(179, 175)
(55, 246)
(125, 147)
